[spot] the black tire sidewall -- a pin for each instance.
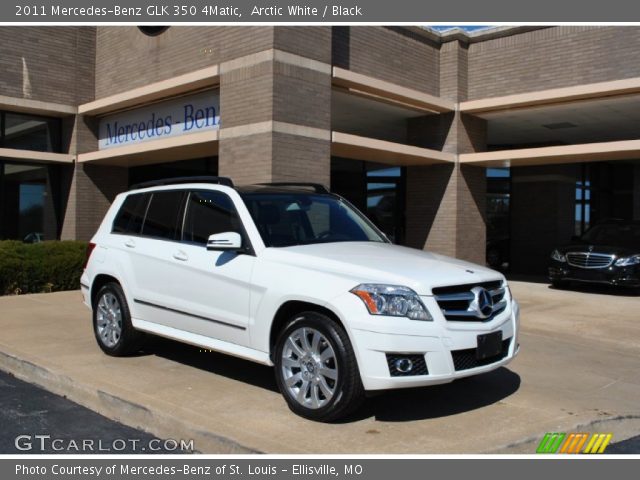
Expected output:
(348, 379)
(128, 336)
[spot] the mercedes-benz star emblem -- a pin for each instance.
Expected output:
(482, 303)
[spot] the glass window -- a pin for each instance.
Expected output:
(129, 218)
(30, 132)
(23, 200)
(286, 219)
(162, 219)
(377, 190)
(208, 212)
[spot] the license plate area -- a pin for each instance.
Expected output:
(489, 345)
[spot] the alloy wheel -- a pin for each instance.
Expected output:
(309, 368)
(109, 320)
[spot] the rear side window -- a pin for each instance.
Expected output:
(163, 215)
(208, 212)
(131, 214)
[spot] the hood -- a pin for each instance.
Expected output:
(372, 262)
(618, 251)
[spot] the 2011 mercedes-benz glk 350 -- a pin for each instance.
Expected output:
(293, 276)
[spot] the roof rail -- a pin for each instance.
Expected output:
(226, 181)
(317, 187)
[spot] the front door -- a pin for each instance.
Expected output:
(212, 286)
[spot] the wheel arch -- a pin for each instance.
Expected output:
(288, 309)
(100, 281)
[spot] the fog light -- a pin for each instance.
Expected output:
(403, 365)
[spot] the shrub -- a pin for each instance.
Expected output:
(40, 267)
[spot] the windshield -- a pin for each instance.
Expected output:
(286, 219)
(621, 235)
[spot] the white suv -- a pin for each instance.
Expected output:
(293, 276)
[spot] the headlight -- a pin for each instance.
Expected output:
(628, 261)
(392, 300)
(558, 257)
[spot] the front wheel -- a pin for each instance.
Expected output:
(316, 368)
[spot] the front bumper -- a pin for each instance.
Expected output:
(448, 348)
(622, 276)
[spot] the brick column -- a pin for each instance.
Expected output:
(88, 189)
(446, 204)
(275, 110)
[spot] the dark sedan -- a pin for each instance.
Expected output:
(608, 253)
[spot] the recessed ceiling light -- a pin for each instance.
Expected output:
(557, 126)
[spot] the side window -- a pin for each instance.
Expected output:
(208, 212)
(131, 214)
(163, 215)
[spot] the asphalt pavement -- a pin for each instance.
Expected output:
(35, 421)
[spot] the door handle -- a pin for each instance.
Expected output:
(131, 243)
(180, 255)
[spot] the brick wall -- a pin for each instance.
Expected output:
(246, 95)
(91, 189)
(126, 58)
(310, 42)
(283, 91)
(50, 64)
(446, 204)
(553, 57)
(246, 159)
(391, 54)
(301, 96)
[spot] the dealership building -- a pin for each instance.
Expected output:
(499, 143)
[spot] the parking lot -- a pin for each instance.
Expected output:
(577, 370)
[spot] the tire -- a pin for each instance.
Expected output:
(559, 284)
(321, 383)
(112, 322)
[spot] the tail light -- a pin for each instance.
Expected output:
(90, 248)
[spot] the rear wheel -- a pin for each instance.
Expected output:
(316, 368)
(112, 322)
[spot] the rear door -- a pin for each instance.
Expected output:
(125, 240)
(153, 255)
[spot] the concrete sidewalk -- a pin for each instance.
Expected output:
(578, 369)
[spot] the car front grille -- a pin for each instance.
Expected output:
(466, 359)
(589, 260)
(458, 303)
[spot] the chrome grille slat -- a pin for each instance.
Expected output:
(458, 313)
(456, 301)
(589, 259)
(452, 297)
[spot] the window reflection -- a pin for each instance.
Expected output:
(22, 203)
(30, 132)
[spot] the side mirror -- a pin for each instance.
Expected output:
(225, 241)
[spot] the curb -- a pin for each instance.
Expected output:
(121, 410)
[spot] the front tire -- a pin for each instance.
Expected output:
(112, 322)
(316, 368)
